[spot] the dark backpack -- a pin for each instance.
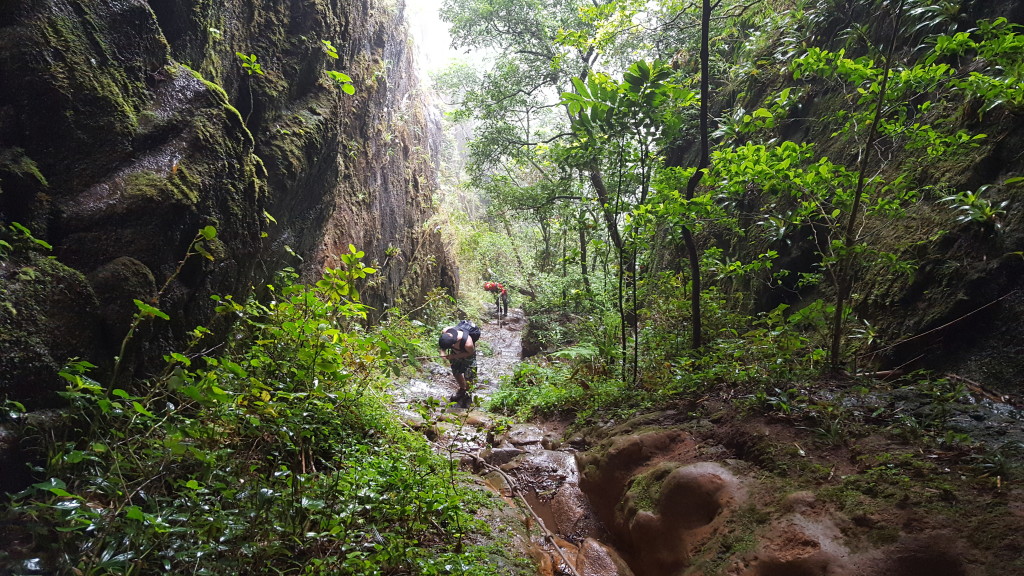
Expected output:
(468, 327)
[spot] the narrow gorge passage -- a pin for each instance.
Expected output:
(524, 463)
(653, 494)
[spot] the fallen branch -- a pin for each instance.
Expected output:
(548, 535)
(980, 390)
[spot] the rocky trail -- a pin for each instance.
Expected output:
(702, 490)
(524, 463)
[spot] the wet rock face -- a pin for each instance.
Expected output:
(116, 154)
(48, 313)
(389, 143)
(606, 470)
(75, 77)
(674, 505)
(596, 559)
(686, 504)
(126, 129)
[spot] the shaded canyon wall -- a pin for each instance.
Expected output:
(954, 302)
(126, 127)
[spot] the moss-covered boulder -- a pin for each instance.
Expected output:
(48, 314)
(117, 284)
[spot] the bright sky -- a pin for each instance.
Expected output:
(430, 34)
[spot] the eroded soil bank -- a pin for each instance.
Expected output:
(703, 489)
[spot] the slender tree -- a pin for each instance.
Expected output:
(703, 160)
(844, 266)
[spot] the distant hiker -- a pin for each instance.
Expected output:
(458, 346)
(500, 297)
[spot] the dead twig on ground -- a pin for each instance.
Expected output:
(548, 535)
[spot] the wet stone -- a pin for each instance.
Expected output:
(573, 514)
(550, 442)
(525, 435)
(546, 470)
(497, 482)
(596, 559)
(479, 419)
(499, 456)
(414, 421)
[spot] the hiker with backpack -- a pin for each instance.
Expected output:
(500, 297)
(458, 347)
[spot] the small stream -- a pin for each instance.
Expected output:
(673, 495)
(523, 461)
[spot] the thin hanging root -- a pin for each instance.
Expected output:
(548, 536)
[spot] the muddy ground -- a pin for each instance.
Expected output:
(705, 489)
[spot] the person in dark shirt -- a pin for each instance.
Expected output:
(459, 349)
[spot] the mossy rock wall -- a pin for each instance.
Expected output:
(959, 306)
(126, 127)
(343, 169)
(390, 146)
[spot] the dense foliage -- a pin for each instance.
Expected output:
(272, 449)
(837, 140)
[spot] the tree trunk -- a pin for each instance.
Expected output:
(697, 338)
(597, 180)
(583, 257)
(844, 272)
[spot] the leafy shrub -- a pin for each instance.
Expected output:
(973, 207)
(275, 450)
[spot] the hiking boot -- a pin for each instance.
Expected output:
(460, 397)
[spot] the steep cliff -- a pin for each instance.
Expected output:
(936, 282)
(126, 127)
(958, 305)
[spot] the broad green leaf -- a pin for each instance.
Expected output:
(201, 249)
(52, 483)
(581, 88)
(150, 311)
(312, 503)
(142, 410)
